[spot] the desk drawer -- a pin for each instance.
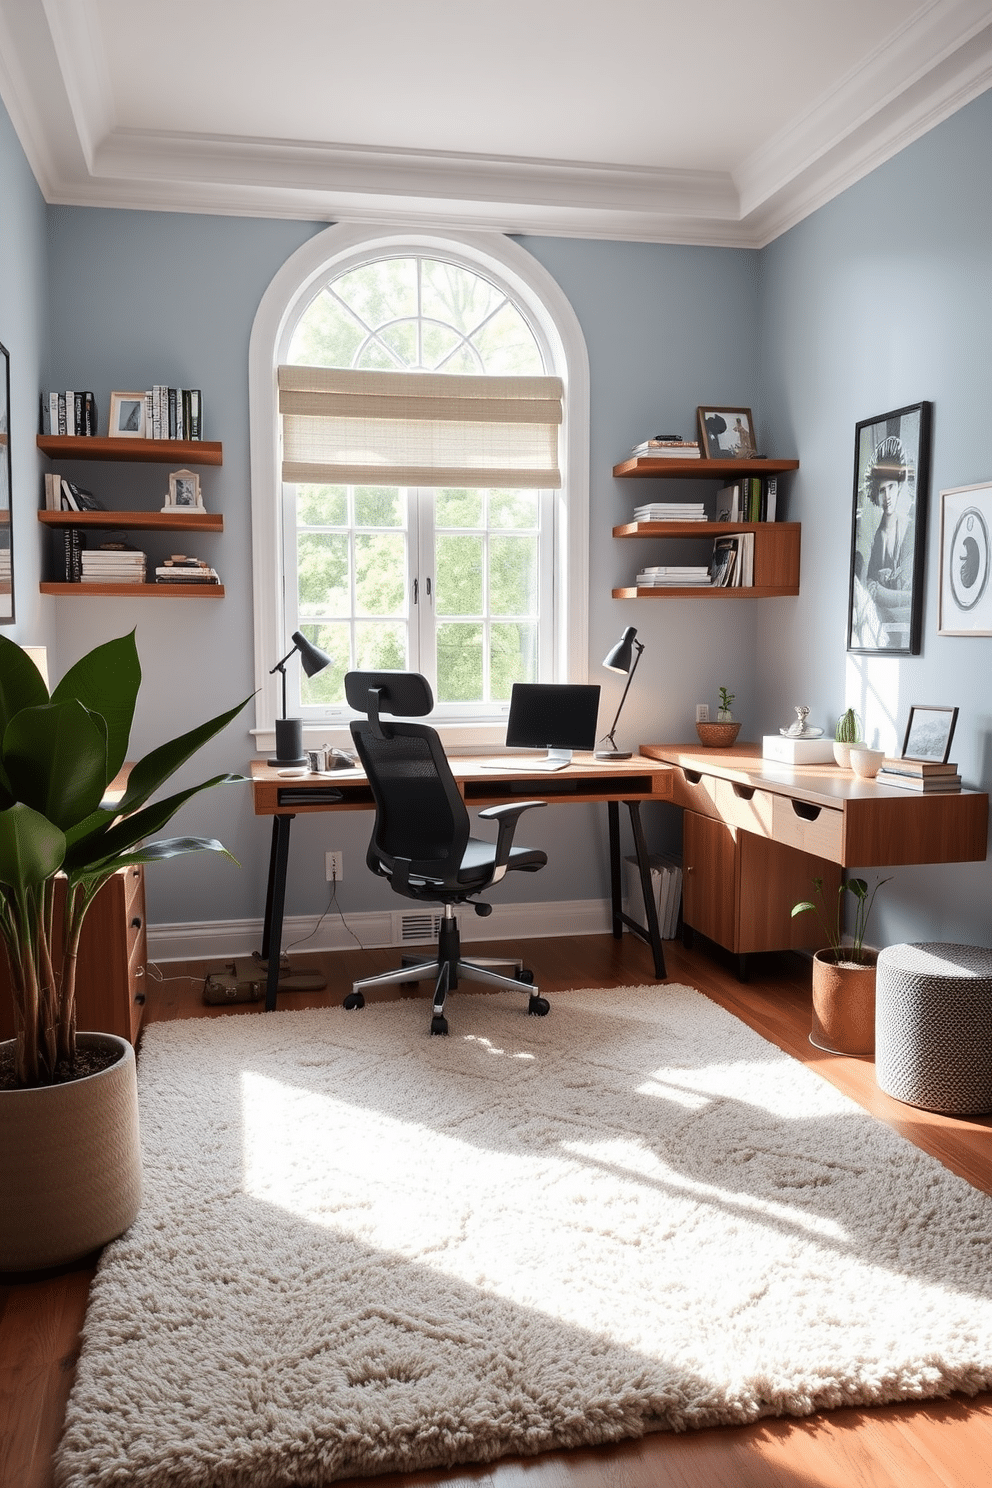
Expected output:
(813, 829)
(746, 807)
(695, 791)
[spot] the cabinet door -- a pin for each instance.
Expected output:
(773, 878)
(709, 880)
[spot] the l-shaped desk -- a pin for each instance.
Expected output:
(755, 833)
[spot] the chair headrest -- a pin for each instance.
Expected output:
(404, 694)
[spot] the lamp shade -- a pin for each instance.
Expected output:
(620, 656)
(312, 659)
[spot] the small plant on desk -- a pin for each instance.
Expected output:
(724, 714)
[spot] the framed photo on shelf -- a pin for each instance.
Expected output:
(929, 733)
(726, 433)
(965, 606)
(127, 416)
(184, 492)
(888, 532)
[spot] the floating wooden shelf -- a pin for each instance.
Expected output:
(177, 521)
(700, 469)
(776, 558)
(136, 451)
(134, 591)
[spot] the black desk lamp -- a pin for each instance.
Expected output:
(289, 731)
(620, 659)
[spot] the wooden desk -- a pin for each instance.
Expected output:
(614, 782)
(776, 812)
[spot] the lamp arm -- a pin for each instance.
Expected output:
(623, 699)
(280, 666)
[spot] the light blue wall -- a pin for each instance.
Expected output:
(23, 331)
(881, 299)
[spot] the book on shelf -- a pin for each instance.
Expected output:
(924, 784)
(68, 412)
(651, 449)
(75, 498)
(901, 766)
(732, 563)
(671, 511)
(753, 498)
(173, 413)
(677, 576)
(68, 555)
(666, 883)
(182, 570)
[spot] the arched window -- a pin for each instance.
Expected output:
(408, 510)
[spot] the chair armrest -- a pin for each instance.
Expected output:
(506, 816)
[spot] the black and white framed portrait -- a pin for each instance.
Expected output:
(929, 732)
(965, 539)
(888, 533)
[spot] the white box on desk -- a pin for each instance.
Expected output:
(797, 751)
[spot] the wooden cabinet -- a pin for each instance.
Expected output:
(776, 544)
(110, 973)
(177, 452)
(738, 889)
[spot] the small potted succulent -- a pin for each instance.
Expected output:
(722, 733)
(843, 972)
(848, 733)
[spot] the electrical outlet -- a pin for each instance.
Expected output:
(702, 712)
(334, 867)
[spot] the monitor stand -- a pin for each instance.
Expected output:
(555, 759)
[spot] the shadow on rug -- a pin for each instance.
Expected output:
(365, 1250)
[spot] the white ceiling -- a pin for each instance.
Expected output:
(661, 120)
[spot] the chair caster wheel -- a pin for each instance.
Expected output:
(439, 1024)
(354, 1000)
(539, 1007)
(525, 976)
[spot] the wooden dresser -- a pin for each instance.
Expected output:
(110, 974)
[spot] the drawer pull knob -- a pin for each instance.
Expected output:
(693, 776)
(139, 998)
(139, 971)
(805, 810)
(136, 923)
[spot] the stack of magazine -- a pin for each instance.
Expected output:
(928, 776)
(666, 881)
(671, 511)
(182, 570)
(112, 563)
(675, 576)
(732, 564)
(666, 447)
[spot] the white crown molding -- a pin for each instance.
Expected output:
(55, 83)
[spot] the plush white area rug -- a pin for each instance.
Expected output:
(364, 1249)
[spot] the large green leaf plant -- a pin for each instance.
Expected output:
(58, 756)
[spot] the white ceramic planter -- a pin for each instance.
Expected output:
(70, 1163)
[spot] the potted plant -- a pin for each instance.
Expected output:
(69, 1157)
(843, 972)
(722, 733)
(848, 732)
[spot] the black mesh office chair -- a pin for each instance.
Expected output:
(421, 840)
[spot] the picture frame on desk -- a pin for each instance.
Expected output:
(127, 416)
(929, 732)
(965, 605)
(726, 433)
(888, 532)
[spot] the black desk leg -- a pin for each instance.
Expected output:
(616, 882)
(275, 904)
(647, 888)
(651, 933)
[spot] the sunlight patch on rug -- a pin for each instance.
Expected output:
(366, 1250)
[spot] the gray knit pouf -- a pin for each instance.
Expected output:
(933, 1026)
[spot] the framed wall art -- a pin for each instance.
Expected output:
(965, 606)
(726, 433)
(888, 532)
(6, 539)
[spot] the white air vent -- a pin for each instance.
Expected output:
(419, 927)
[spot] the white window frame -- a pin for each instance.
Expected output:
(529, 284)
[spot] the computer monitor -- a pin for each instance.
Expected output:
(555, 716)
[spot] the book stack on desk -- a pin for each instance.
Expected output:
(919, 775)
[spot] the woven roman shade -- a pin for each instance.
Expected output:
(418, 428)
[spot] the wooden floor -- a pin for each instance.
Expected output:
(948, 1442)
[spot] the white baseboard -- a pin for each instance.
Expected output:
(222, 939)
